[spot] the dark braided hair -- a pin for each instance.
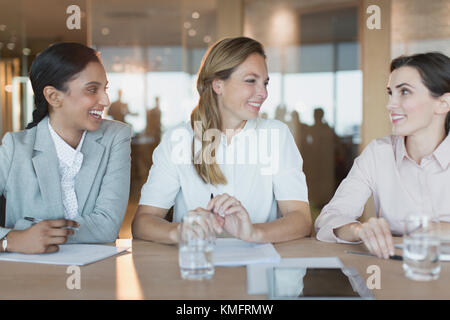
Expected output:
(434, 69)
(55, 66)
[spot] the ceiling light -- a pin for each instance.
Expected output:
(105, 31)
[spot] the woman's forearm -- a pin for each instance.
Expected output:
(348, 232)
(153, 228)
(292, 226)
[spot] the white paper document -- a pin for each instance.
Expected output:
(234, 252)
(68, 254)
(257, 273)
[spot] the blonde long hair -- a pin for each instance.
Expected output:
(218, 63)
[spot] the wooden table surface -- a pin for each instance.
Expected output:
(151, 271)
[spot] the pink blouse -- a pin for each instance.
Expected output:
(400, 187)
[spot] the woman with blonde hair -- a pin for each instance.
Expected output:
(227, 160)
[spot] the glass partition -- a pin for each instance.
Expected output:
(315, 82)
(152, 51)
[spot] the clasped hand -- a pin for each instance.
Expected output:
(228, 214)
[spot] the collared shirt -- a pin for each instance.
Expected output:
(261, 164)
(400, 187)
(70, 161)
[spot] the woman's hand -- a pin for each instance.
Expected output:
(43, 237)
(233, 217)
(203, 226)
(376, 235)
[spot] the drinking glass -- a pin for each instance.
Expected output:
(196, 240)
(445, 238)
(421, 247)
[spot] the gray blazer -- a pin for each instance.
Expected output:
(31, 183)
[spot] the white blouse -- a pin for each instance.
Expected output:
(70, 161)
(400, 187)
(261, 164)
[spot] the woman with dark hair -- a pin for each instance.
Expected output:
(219, 153)
(69, 170)
(407, 172)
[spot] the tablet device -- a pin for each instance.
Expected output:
(316, 283)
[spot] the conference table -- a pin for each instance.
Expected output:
(150, 271)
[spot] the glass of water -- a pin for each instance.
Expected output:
(196, 240)
(445, 238)
(421, 248)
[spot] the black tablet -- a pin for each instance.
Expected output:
(316, 283)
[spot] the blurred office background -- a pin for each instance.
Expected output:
(328, 71)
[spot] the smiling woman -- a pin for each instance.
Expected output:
(69, 168)
(407, 173)
(79, 106)
(232, 83)
(421, 83)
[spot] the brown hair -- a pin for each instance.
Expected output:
(434, 69)
(218, 63)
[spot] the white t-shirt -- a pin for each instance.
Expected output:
(261, 164)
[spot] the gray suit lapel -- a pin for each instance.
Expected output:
(46, 165)
(92, 152)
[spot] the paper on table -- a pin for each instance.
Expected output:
(257, 274)
(234, 252)
(68, 254)
(442, 256)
